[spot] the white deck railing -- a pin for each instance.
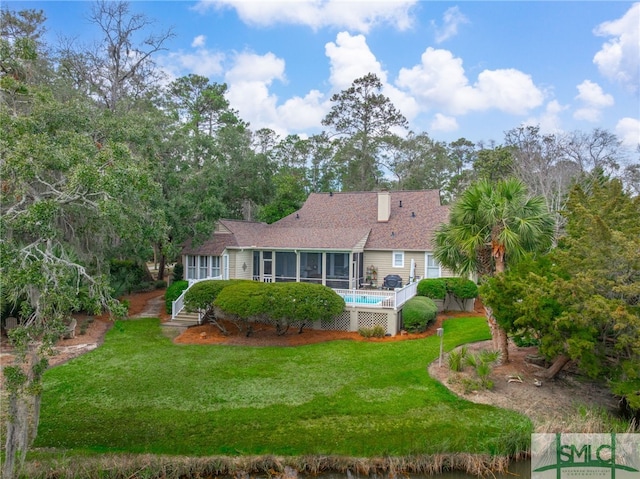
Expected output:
(375, 298)
(366, 298)
(178, 305)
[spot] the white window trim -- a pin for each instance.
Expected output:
(393, 259)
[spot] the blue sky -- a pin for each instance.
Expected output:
(455, 69)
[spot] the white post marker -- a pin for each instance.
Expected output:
(440, 332)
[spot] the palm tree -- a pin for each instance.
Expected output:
(491, 226)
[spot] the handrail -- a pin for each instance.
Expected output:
(405, 294)
(384, 299)
(178, 305)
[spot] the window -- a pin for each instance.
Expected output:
(433, 267)
(192, 270)
(204, 267)
(398, 259)
(215, 266)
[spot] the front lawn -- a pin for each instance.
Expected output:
(140, 393)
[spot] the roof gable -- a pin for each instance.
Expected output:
(343, 221)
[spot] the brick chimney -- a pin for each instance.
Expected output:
(384, 206)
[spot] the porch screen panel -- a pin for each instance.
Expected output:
(285, 266)
(311, 267)
(338, 270)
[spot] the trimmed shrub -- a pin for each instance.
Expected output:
(434, 288)
(282, 303)
(173, 292)
(438, 288)
(246, 300)
(306, 302)
(418, 312)
(202, 295)
(462, 288)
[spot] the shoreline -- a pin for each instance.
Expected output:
(269, 466)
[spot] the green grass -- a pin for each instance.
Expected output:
(140, 393)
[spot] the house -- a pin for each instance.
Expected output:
(378, 243)
(341, 240)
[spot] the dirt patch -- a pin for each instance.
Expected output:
(89, 337)
(518, 386)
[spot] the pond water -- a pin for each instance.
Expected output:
(517, 470)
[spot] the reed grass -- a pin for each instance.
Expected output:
(147, 466)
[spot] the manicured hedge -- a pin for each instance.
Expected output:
(173, 292)
(418, 312)
(282, 303)
(438, 288)
(202, 294)
(305, 302)
(246, 301)
(462, 288)
(434, 288)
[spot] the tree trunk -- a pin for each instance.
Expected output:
(499, 337)
(493, 327)
(559, 363)
(504, 346)
(161, 267)
(22, 424)
(17, 436)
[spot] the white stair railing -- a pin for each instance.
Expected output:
(178, 305)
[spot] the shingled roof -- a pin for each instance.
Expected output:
(414, 217)
(342, 221)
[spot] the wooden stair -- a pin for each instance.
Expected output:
(183, 320)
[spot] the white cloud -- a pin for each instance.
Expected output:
(250, 67)
(619, 58)
(250, 79)
(201, 62)
(593, 99)
(443, 123)
(199, 41)
(628, 130)
(350, 58)
(452, 18)
(439, 81)
(507, 90)
(358, 16)
(298, 114)
(549, 121)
